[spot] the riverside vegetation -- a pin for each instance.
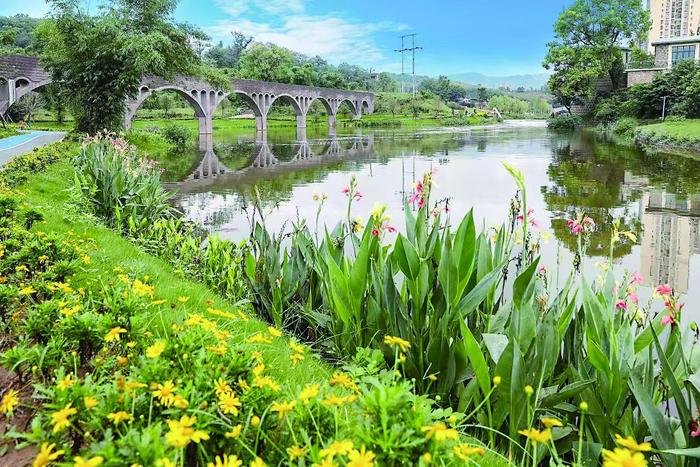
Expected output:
(455, 345)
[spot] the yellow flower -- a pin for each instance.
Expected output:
(274, 332)
(296, 452)
(142, 289)
(93, 462)
(221, 386)
(432, 377)
(235, 432)
(259, 339)
(155, 350)
(343, 380)
(464, 451)
(9, 402)
(327, 462)
(623, 458)
(70, 311)
(258, 463)
(122, 361)
(46, 455)
(65, 383)
(296, 358)
(255, 420)
(180, 402)
(86, 260)
(550, 422)
(309, 392)
(360, 458)
(165, 393)
(631, 444)
(282, 408)
(226, 461)
(529, 390)
(158, 302)
(332, 400)
(181, 432)
(338, 448)
(114, 334)
(296, 348)
(537, 436)
(404, 345)
(60, 418)
(427, 458)
(119, 417)
(440, 432)
(183, 299)
(496, 380)
(89, 402)
(229, 403)
(26, 290)
(165, 462)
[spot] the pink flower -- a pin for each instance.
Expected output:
(664, 289)
(668, 319)
(346, 191)
(621, 305)
(587, 221)
(694, 428)
(632, 297)
(358, 196)
(390, 229)
(636, 278)
(542, 270)
(535, 223)
(375, 232)
(574, 226)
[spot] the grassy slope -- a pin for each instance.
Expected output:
(686, 129)
(47, 193)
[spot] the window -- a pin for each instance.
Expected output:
(682, 52)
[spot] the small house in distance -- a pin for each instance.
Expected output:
(667, 52)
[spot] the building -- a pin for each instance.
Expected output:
(672, 18)
(667, 52)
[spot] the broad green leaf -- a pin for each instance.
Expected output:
(476, 357)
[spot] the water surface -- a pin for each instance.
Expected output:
(654, 196)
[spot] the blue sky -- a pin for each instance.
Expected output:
(492, 37)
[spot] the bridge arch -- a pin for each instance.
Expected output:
(191, 96)
(287, 98)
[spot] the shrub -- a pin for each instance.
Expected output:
(625, 126)
(119, 186)
(564, 122)
(176, 135)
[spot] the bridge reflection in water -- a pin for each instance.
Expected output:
(265, 164)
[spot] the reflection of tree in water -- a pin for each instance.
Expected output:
(583, 181)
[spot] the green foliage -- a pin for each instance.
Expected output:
(564, 122)
(176, 135)
(625, 126)
(118, 185)
(588, 35)
(100, 60)
(520, 108)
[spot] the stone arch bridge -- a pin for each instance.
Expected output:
(21, 74)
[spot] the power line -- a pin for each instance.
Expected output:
(411, 49)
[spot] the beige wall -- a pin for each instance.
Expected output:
(673, 18)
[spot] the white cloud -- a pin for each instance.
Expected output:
(285, 23)
(272, 7)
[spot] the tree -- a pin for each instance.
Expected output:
(385, 83)
(228, 56)
(100, 60)
(267, 62)
(588, 36)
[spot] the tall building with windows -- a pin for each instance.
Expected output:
(673, 18)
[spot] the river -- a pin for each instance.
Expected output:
(653, 196)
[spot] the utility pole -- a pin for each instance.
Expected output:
(411, 49)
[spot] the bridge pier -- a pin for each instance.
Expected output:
(261, 123)
(205, 126)
(331, 123)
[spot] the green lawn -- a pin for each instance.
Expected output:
(47, 193)
(678, 129)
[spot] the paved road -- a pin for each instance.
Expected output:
(26, 142)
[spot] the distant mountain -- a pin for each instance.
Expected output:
(531, 81)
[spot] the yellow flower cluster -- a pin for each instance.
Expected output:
(182, 432)
(9, 401)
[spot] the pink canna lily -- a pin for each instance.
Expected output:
(664, 289)
(668, 319)
(621, 305)
(636, 278)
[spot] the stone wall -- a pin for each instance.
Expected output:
(641, 76)
(661, 54)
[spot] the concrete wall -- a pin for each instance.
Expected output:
(662, 55)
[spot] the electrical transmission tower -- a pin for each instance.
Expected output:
(411, 49)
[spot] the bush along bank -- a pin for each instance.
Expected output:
(112, 370)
